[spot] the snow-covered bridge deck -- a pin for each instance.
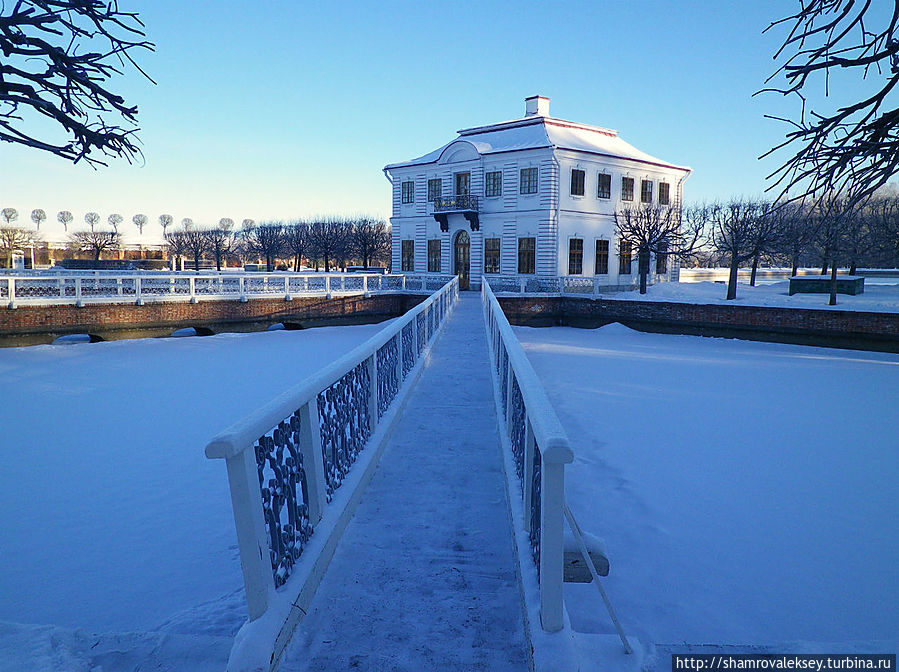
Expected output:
(424, 576)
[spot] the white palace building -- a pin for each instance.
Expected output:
(532, 197)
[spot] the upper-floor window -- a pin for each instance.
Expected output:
(627, 188)
(433, 256)
(491, 255)
(602, 257)
(408, 255)
(646, 191)
(604, 186)
(408, 191)
(528, 181)
(624, 257)
(578, 177)
(527, 254)
(435, 189)
(493, 184)
(463, 184)
(664, 193)
(575, 256)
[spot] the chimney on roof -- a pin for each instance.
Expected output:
(536, 106)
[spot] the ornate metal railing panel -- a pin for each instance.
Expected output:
(457, 203)
(409, 351)
(536, 500)
(343, 410)
(388, 379)
(517, 427)
(504, 380)
(576, 285)
(282, 482)
(420, 325)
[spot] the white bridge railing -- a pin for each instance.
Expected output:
(540, 451)
(79, 289)
(287, 459)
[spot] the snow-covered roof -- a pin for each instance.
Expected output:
(536, 132)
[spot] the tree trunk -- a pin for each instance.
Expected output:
(755, 268)
(833, 284)
(824, 268)
(196, 262)
(853, 267)
(643, 263)
(296, 263)
(795, 266)
(327, 264)
(732, 279)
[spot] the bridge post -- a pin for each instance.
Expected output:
(138, 299)
(313, 460)
(551, 542)
(193, 289)
(11, 283)
(78, 300)
(246, 502)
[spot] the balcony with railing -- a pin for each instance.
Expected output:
(464, 204)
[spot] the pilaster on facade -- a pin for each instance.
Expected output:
(509, 248)
(421, 245)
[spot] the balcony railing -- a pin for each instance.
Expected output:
(458, 203)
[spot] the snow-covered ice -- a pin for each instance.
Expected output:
(113, 519)
(747, 492)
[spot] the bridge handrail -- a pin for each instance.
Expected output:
(307, 438)
(541, 450)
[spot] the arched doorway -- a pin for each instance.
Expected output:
(462, 257)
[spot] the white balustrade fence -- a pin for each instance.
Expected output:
(285, 460)
(540, 451)
(575, 285)
(139, 288)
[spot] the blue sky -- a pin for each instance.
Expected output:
(287, 109)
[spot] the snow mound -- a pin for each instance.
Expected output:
(617, 329)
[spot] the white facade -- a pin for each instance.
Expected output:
(502, 208)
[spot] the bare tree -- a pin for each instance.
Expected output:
(58, 56)
(114, 220)
(65, 218)
(850, 150)
(177, 246)
(140, 220)
(329, 239)
(765, 235)
(265, 239)
(796, 233)
(220, 240)
(369, 240)
(38, 216)
(96, 242)
(656, 230)
(296, 242)
(196, 243)
(91, 219)
(732, 232)
(165, 221)
(834, 212)
(9, 215)
(13, 238)
(883, 220)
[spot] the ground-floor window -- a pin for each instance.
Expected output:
(575, 256)
(408, 255)
(602, 257)
(433, 256)
(491, 255)
(662, 259)
(527, 248)
(624, 257)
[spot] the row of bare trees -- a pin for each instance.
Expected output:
(326, 241)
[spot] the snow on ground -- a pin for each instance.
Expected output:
(876, 297)
(747, 492)
(113, 519)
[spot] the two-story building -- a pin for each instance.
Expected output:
(534, 196)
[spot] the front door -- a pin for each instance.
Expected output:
(461, 258)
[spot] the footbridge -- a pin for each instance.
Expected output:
(404, 508)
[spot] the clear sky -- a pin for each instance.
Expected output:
(288, 109)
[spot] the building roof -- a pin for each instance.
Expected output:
(536, 132)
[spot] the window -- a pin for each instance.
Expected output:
(528, 181)
(493, 184)
(646, 191)
(491, 255)
(662, 257)
(526, 250)
(408, 255)
(577, 182)
(627, 188)
(408, 191)
(575, 256)
(463, 184)
(604, 186)
(435, 189)
(433, 256)
(602, 257)
(624, 257)
(664, 193)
